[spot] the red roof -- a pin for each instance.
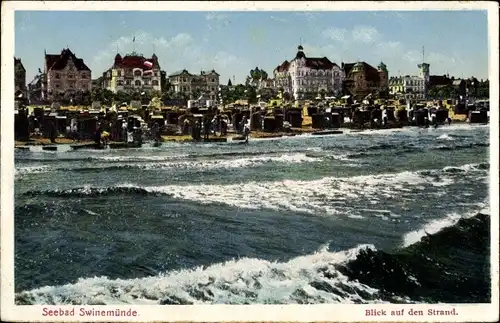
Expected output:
(135, 61)
(59, 62)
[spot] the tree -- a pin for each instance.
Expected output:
(229, 83)
(255, 76)
(322, 93)
(122, 97)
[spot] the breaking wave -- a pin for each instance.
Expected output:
(317, 196)
(434, 269)
(208, 164)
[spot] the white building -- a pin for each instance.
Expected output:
(133, 73)
(412, 86)
(308, 76)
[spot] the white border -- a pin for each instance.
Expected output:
(225, 313)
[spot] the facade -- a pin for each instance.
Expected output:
(19, 77)
(363, 79)
(308, 75)
(65, 73)
(187, 83)
(133, 73)
(410, 86)
(97, 83)
(414, 87)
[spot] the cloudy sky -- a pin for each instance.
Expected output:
(232, 43)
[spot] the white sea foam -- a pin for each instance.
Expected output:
(223, 163)
(23, 170)
(323, 196)
(437, 225)
(239, 281)
(445, 137)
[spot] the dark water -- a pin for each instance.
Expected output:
(300, 220)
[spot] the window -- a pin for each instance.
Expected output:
(213, 80)
(120, 83)
(127, 82)
(84, 76)
(57, 76)
(155, 82)
(138, 83)
(57, 86)
(137, 73)
(70, 76)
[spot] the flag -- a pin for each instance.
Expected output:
(133, 39)
(148, 64)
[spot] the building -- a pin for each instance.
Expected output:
(19, 78)
(97, 83)
(412, 87)
(362, 79)
(409, 86)
(65, 74)
(307, 76)
(192, 84)
(133, 73)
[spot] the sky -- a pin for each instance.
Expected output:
(232, 42)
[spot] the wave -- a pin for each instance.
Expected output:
(329, 195)
(445, 137)
(179, 164)
(439, 268)
(449, 266)
(460, 147)
(307, 279)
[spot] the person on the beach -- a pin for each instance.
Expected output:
(246, 132)
(97, 136)
(449, 120)
(52, 132)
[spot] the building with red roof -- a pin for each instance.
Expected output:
(65, 73)
(308, 75)
(133, 72)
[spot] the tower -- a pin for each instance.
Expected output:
(424, 68)
(383, 74)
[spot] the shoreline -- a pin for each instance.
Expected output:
(230, 137)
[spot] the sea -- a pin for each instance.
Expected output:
(375, 216)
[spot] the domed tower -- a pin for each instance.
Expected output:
(118, 60)
(383, 75)
(300, 52)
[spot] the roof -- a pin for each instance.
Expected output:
(370, 71)
(439, 80)
(135, 61)
(203, 73)
(179, 73)
(59, 62)
(283, 67)
(317, 63)
(17, 63)
(348, 67)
